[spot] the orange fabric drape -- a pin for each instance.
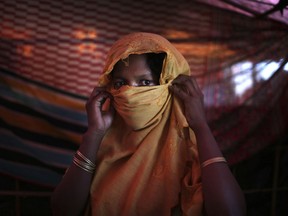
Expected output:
(149, 166)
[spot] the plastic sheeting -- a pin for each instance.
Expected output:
(54, 51)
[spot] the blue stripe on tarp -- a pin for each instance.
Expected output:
(31, 113)
(45, 108)
(37, 175)
(42, 138)
(59, 158)
(40, 84)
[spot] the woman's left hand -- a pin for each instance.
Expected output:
(187, 90)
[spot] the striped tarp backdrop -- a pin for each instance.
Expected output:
(52, 53)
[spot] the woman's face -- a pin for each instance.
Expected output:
(136, 73)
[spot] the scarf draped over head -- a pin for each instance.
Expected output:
(147, 163)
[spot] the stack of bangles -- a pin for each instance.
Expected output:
(84, 163)
(213, 160)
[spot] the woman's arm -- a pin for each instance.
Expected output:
(71, 195)
(222, 194)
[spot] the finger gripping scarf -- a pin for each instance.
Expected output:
(147, 163)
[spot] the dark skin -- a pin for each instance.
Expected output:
(222, 194)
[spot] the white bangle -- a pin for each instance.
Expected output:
(213, 160)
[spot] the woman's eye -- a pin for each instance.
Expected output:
(145, 82)
(118, 84)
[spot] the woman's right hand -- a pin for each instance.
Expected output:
(99, 118)
(71, 195)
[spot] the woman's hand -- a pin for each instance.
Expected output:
(99, 117)
(187, 90)
(71, 195)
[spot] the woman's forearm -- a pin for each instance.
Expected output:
(221, 192)
(70, 196)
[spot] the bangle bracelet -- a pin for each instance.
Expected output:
(213, 160)
(83, 165)
(85, 159)
(83, 162)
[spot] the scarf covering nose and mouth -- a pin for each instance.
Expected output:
(147, 163)
(141, 107)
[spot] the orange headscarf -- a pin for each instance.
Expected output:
(147, 163)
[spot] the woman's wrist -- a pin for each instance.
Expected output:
(199, 127)
(91, 141)
(94, 133)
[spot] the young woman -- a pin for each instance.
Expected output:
(148, 149)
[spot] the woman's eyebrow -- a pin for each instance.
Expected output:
(145, 75)
(118, 77)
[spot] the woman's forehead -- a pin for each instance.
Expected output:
(134, 69)
(132, 62)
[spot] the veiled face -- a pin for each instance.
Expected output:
(134, 71)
